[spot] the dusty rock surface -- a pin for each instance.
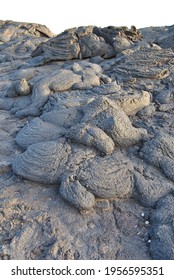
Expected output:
(86, 142)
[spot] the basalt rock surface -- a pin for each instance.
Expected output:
(85, 42)
(86, 125)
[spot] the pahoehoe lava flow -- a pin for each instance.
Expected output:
(87, 142)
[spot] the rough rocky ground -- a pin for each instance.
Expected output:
(86, 142)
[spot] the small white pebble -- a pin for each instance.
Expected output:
(142, 214)
(149, 241)
(139, 233)
(136, 226)
(147, 222)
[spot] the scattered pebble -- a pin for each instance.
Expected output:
(147, 222)
(1, 216)
(142, 214)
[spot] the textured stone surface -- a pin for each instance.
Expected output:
(91, 136)
(159, 152)
(162, 229)
(108, 177)
(86, 41)
(86, 146)
(38, 131)
(43, 162)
